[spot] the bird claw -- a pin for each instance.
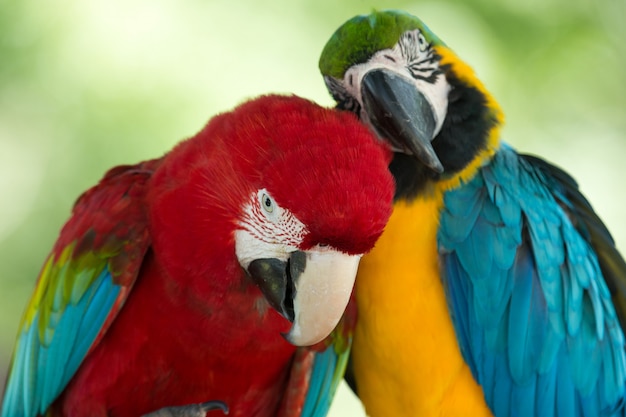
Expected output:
(191, 410)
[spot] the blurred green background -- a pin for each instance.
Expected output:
(86, 85)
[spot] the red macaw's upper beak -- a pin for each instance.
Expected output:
(311, 290)
(401, 114)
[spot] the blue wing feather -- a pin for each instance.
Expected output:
(77, 295)
(92, 311)
(328, 370)
(317, 400)
(525, 280)
(44, 369)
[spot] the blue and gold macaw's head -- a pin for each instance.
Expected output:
(413, 91)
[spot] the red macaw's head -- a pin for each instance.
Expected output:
(295, 192)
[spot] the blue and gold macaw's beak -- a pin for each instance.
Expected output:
(401, 114)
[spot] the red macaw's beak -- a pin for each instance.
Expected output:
(311, 290)
(401, 114)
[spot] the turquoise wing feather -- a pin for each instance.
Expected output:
(328, 370)
(317, 371)
(80, 289)
(536, 291)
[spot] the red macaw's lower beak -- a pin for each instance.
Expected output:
(311, 290)
(401, 114)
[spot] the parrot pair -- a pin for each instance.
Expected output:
(202, 275)
(495, 289)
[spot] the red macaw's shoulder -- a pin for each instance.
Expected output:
(81, 287)
(109, 220)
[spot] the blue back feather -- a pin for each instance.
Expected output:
(527, 295)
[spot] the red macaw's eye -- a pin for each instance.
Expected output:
(267, 203)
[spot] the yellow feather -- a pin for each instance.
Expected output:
(43, 285)
(406, 358)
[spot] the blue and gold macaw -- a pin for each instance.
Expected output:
(495, 289)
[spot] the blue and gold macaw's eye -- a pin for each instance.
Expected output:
(413, 42)
(421, 41)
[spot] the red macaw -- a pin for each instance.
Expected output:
(196, 276)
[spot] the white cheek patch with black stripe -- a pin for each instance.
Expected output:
(413, 58)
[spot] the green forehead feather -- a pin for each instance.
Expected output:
(362, 36)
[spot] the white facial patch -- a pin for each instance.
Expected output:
(267, 230)
(411, 57)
